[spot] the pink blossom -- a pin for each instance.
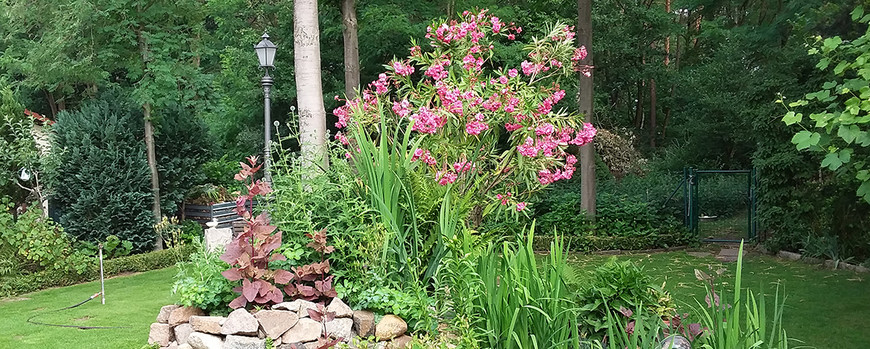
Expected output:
(545, 129)
(422, 154)
(415, 51)
(402, 108)
(521, 206)
(342, 138)
(512, 127)
(401, 69)
(511, 37)
(530, 68)
(545, 177)
(437, 71)
(528, 148)
(343, 116)
(462, 166)
(476, 127)
(513, 73)
(496, 24)
(381, 84)
(579, 54)
(427, 121)
(585, 135)
(446, 177)
(503, 80)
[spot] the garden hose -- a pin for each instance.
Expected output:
(32, 321)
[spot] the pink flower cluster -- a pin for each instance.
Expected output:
(427, 121)
(381, 84)
(425, 156)
(547, 105)
(472, 64)
(446, 177)
(463, 166)
(548, 176)
(504, 198)
(477, 126)
(342, 138)
(437, 71)
(403, 69)
(402, 108)
(530, 68)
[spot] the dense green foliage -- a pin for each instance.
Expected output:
(17, 147)
(100, 179)
(199, 282)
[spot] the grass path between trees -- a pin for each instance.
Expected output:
(824, 308)
(131, 301)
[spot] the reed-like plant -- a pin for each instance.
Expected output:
(524, 304)
(740, 321)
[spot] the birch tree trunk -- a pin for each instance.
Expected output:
(149, 143)
(351, 48)
(312, 116)
(585, 100)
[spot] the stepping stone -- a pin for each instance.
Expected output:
(729, 255)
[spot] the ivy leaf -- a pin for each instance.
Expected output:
(857, 13)
(806, 139)
(829, 85)
(832, 43)
(840, 68)
(792, 118)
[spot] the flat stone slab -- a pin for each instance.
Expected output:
(729, 255)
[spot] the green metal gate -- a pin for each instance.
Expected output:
(692, 181)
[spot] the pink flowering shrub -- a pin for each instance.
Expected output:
(496, 130)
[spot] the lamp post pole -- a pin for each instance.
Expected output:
(266, 55)
(267, 115)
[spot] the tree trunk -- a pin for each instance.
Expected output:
(652, 113)
(309, 91)
(351, 48)
(149, 143)
(585, 102)
(638, 106)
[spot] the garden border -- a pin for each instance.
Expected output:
(614, 244)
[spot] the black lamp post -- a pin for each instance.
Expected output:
(266, 54)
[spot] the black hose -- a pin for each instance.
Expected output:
(30, 320)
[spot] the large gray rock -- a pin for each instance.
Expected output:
(276, 322)
(160, 334)
(306, 330)
(207, 324)
(199, 340)
(340, 328)
(340, 309)
(240, 321)
(390, 327)
(163, 316)
(244, 342)
(182, 332)
(299, 306)
(364, 323)
(183, 314)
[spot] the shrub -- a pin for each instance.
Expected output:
(199, 282)
(615, 286)
(182, 148)
(34, 243)
(12, 286)
(100, 180)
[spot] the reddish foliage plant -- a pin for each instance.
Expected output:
(249, 254)
(312, 282)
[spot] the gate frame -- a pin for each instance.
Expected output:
(691, 202)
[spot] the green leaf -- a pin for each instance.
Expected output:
(864, 191)
(848, 133)
(792, 118)
(832, 43)
(841, 67)
(829, 85)
(805, 139)
(857, 13)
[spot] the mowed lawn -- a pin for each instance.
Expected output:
(132, 301)
(824, 309)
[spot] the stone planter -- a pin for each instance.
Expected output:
(286, 325)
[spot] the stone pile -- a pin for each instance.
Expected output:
(288, 324)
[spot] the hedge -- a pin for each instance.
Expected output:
(598, 243)
(13, 286)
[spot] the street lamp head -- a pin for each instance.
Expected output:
(266, 52)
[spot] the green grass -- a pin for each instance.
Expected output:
(824, 308)
(132, 301)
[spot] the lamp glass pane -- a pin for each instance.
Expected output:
(270, 56)
(261, 56)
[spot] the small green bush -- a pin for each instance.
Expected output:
(619, 285)
(199, 282)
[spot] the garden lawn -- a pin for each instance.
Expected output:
(132, 301)
(824, 308)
